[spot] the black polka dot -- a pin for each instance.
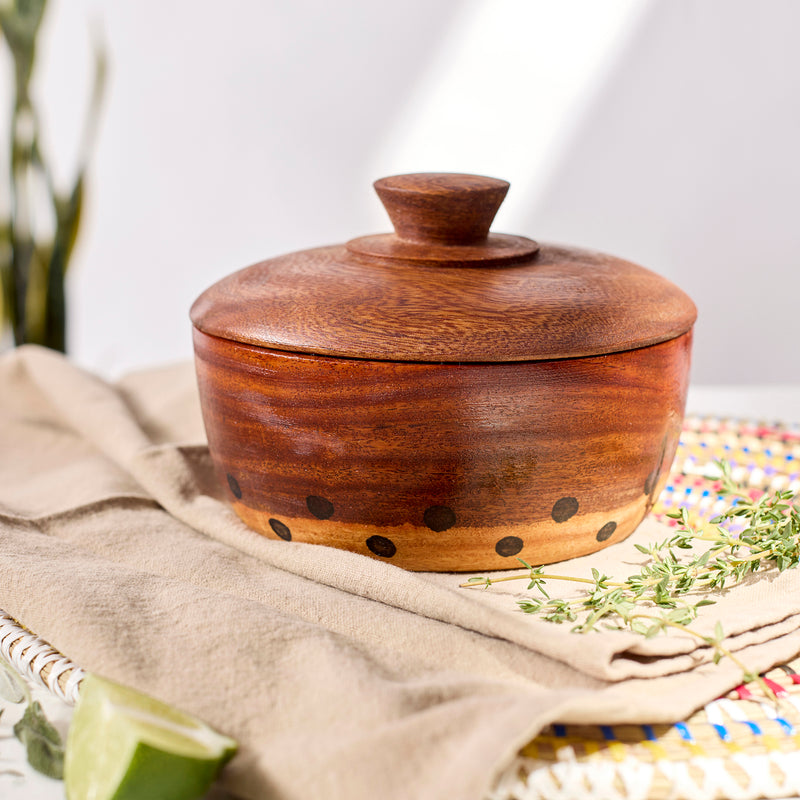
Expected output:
(381, 546)
(235, 488)
(280, 529)
(606, 531)
(564, 508)
(319, 507)
(439, 518)
(509, 546)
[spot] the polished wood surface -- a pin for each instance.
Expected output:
(441, 288)
(566, 302)
(442, 397)
(441, 208)
(443, 466)
(443, 219)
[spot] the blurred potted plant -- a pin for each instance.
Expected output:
(38, 221)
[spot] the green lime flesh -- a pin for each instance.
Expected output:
(124, 745)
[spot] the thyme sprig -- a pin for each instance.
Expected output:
(42, 742)
(753, 534)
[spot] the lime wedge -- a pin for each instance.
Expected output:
(124, 745)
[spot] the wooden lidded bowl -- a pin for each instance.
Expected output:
(444, 398)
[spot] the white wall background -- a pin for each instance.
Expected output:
(663, 131)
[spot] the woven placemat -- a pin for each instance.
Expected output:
(763, 457)
(37, 661)
(738, 747)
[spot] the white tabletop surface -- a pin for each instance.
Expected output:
(768, 403)
(17, 779)
(19, 782)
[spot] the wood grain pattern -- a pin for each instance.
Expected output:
(443, 218)
(443, 397)
(442, 288)
(443, 208)
(565, 302)
(443, 466)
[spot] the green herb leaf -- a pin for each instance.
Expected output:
(42, 742)
(529, 606)
(639, 626)
(672, 578)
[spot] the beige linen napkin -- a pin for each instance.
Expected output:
(340, 676)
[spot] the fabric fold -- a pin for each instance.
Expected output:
(340, 675)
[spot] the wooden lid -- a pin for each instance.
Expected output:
(442, 288)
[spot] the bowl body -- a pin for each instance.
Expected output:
(447, 467)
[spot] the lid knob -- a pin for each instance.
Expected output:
(443, 219)
(441, 208)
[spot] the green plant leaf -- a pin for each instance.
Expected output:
(68, 219)
(769, 540)
(42, 742)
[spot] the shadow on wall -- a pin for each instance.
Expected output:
(686, 162)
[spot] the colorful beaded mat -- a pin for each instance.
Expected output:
(763, 457)
(739, 746)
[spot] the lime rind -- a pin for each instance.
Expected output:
(124, 745)
(156, 775)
